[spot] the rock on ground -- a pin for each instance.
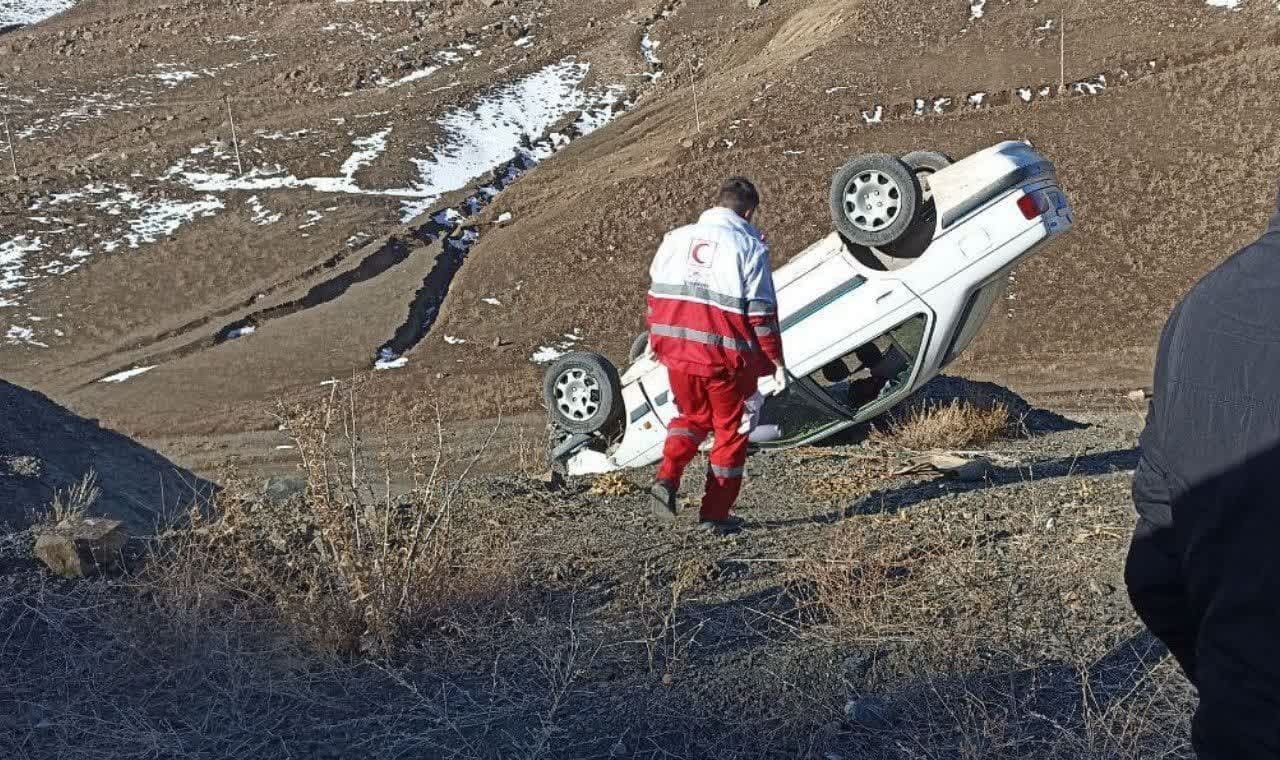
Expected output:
(81, 547)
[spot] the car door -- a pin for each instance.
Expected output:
(863, 377)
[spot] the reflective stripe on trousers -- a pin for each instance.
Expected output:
(709, 405)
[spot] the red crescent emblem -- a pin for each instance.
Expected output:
(694, 253)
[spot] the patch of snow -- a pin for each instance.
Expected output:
(31, 11)
(977, 9)
(391, 363)
(608, 107)
(977, 98)
(1025, 93)
(920, 106)
(367, 149)
(524, 42)
(940, 104)
(241, 332)
(413, 77)
(12, 254)
(1047, 26)
(313, 218)
(1095, 86)
(504, 217)
(161, 218)
(454, 341)
(492, 301)
(262, 216)
(18, 336)
(279, 135)
(491, 132)
(649, 49)
(875, 116)
(175, 78)
(1231, 5)
(547, 354)
(128, 374)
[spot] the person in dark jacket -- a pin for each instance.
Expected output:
(1204, 567)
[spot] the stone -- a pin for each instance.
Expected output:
(963, 468)
(552, 480)
(282, 488)
(81, 547)
(856, 666)
(870, 712)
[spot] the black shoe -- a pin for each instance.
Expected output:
(662, 501)
(728, 527)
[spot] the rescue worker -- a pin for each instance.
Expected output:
(713, 322)
(1204, 567)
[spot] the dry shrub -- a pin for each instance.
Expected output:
(847, 481)
(613, 484)
(75, 501)
(960, 424)
(998, 627)
(370, 554)
(961, 581)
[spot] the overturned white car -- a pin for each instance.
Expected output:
(922, 252)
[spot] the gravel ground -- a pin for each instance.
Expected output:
(858, 615)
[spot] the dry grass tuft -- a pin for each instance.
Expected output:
(847, 481)
(75, 501)
(986, 623)
(960, 424)
(613, 484)
(372, 554)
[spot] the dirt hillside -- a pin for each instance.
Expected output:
(45, 449)
(141, 244)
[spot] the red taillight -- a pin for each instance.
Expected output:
(1030, 206)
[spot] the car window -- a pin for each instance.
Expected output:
(863, 382)
(876, 370)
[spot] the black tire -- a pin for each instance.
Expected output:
(583, 393)
(927, 161)
(912, 244)
(639, 346)
(890, 191)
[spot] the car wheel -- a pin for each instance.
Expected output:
(583, 392)
(874, 200)
(639, 346)
(925, 163)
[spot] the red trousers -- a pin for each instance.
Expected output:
(709, 405)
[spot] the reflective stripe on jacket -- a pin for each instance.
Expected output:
(712, 305)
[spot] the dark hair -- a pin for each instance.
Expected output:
(739, 195)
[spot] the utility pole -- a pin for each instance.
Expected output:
(1062, 53)
(697, 114)
(235, 140)
(8, 138)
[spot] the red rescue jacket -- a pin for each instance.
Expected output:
(712, 305)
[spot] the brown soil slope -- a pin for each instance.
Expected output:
(45, 449)
(1170, 166)
(1170, 172)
